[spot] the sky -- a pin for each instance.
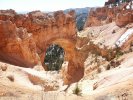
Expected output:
(48, 5)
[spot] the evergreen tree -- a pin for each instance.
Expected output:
(54, 57)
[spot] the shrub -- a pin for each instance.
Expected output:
(77, 90)
(118, 52)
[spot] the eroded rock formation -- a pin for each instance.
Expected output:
(123, 19)
(106, 15)
(54, 28)
(25, 38)
(46, 27)
(75, 70)
(17, 45)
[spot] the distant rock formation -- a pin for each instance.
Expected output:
(123, 19)
(106, 15)
(81, 16)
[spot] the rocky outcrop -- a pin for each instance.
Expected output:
(17, 45)
(106, 15)
(75, 70)
(51, 28)
(123, 19)
(7, 14)
(46, 27)
(100, 16)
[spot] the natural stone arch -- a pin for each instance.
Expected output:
(75, 69)
(59, 28)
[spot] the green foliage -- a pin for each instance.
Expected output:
(77, 90)
(54, 57)
(118, 53)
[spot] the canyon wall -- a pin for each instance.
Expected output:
(46, 27)
(17, 45)
(41, 30)
(38, 30)
(105, 15)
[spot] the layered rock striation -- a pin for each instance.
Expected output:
(37, 31)
(106, 15)
(17, 45)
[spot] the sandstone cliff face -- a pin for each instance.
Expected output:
(100, 16)
(54, 28)
(123, 19)
(107, 15)
(46, 27)
(17, 46)
(97, 43)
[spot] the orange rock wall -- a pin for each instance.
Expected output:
(107, 15)
(46, 29)
(17, 45)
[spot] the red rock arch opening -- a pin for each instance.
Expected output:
(54, 57)
(75, 69)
